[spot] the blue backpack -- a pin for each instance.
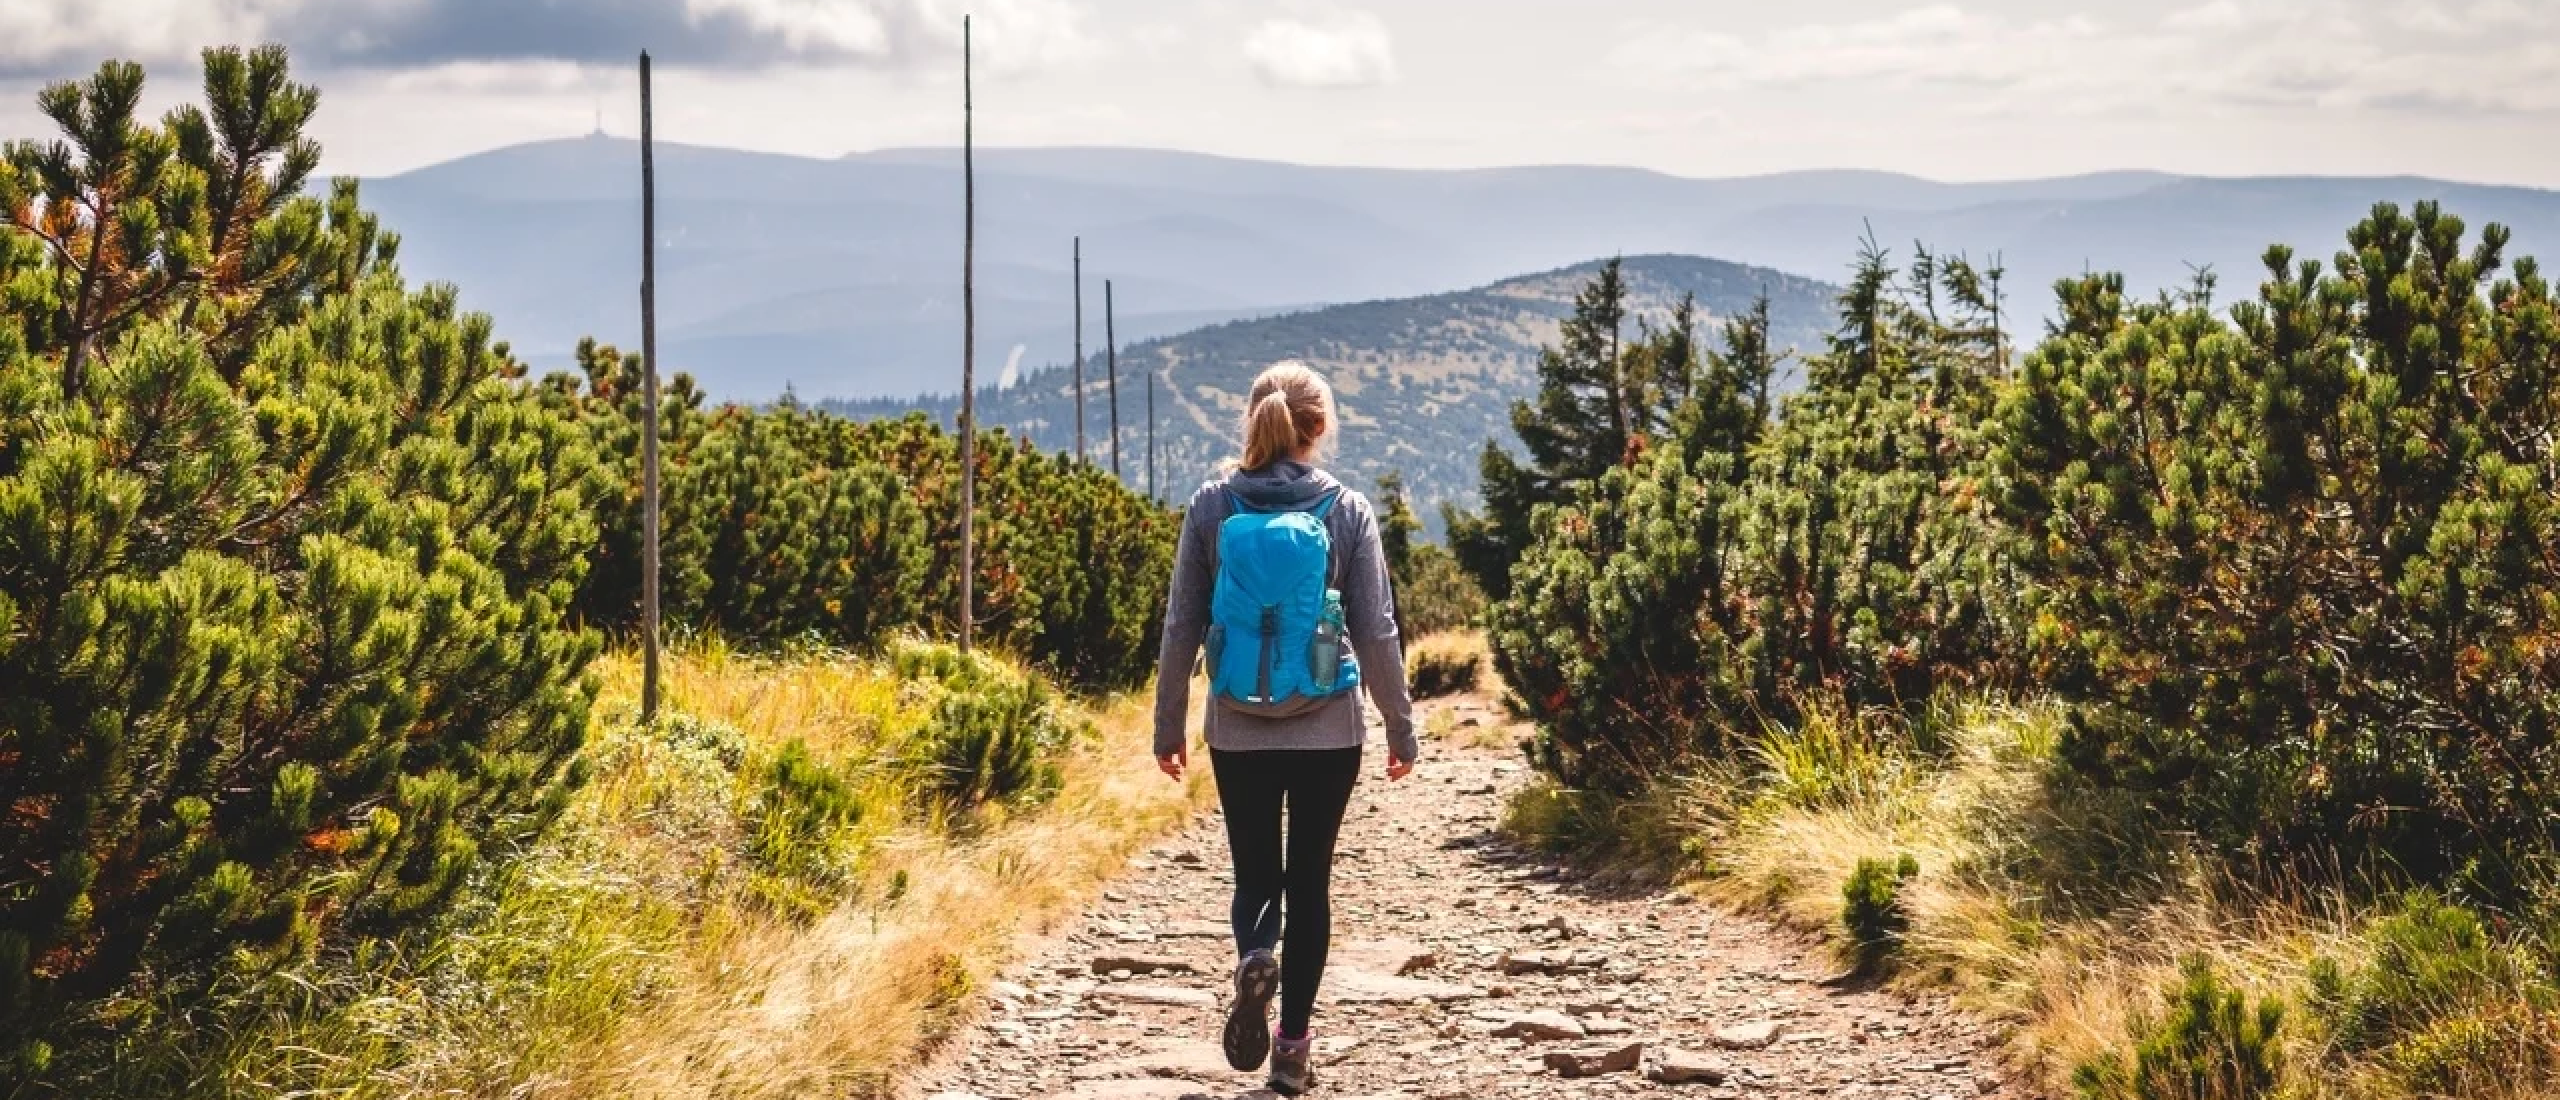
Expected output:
(1275, 627)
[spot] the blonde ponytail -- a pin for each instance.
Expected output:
(1289, 410)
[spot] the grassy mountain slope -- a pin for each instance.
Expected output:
(1423, 382)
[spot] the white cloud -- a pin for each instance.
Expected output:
(2455, 54)
(1937, 44)
(1341, 50)
(57, 36)
(38, 33)
(805, 26)
(523, 78)
(1023, 36)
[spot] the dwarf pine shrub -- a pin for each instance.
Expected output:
(2210, 1045)
(1437, 672)
(1872, 910)
(286, 560)
(2291, 558)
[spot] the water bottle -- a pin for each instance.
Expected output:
(1324, 655)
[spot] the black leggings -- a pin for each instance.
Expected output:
(1315, 785)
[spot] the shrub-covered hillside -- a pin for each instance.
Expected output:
(1423, 382)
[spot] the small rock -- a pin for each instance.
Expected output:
(1392, 956)
(1552, 962)
(1142, 964)
(1563, 926)
(1674, 1066)
(1601, 1025)
(1366, 987)
(1592, 1061)
(1541, 1026)
(1169, 996)
(1751, 1036)
(1194, 1060)
(1188, 858)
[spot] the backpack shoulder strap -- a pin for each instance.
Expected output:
(1325, 507)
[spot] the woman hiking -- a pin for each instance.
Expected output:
(1280, 577)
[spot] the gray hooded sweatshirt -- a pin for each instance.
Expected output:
(1368, 608)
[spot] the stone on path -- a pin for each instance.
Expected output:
(1674, 1066)
(1189, 1060)
(1542, 1025)
(1149, 1089)
(1169, 996)
(1142, 964)
(1751, 1036)
(1370, 987)
(1563, 926)
(1391, 956)
(1592, 1061)
(1552, 962)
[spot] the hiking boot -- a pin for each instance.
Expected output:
(1247, 1039)
(1293, 1069)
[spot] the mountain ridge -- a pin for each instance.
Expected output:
(839, 277)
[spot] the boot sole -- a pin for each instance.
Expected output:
(1300, 1088)
(1247, 1038)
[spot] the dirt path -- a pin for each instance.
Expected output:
(1462, 967)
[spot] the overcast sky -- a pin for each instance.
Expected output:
(1966, 89)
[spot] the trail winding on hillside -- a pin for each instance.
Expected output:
(1463, 966)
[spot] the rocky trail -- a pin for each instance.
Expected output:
(1463, 966)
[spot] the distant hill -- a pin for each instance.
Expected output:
(841, 277)
(1423, 382)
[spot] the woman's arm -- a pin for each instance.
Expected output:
(1186, 622)
(1369, 610)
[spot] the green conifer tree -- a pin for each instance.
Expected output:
(285, 559)
(1580, 425)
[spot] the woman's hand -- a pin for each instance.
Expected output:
(1173, 763)
(1398, 768)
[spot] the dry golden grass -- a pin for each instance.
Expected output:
(2037, 914)
(770, 1008)
(837, 1007)
(653, 944)
(835, 705)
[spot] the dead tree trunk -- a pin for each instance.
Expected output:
(648, 404)
(968, 346)
(1111, 357)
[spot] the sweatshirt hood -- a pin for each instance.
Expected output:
(1283, 485)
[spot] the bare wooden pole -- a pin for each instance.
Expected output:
(1151, 436)
(648, 404)
(1111, 361)
(1080, 452)
(968, 346)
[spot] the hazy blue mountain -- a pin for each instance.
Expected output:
(841, 277)
(1423, 382)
